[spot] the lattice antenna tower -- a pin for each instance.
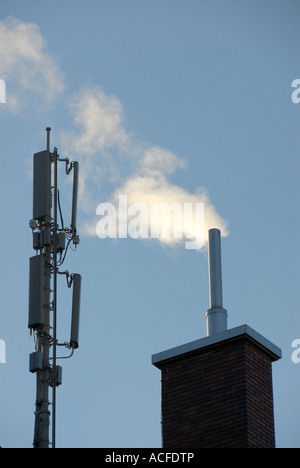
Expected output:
(51, 240)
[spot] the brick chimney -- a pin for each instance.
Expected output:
(217, 392)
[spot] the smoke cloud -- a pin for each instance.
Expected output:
(141, 172)
(26, 65)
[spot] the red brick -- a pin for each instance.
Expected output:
(218, 397)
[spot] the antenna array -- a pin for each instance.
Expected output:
(50, 242)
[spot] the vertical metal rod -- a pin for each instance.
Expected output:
(45, 339)
(44, 344)
(216, 315)
(54, 302)
(215, 268)
(75, 196)
(48, 130)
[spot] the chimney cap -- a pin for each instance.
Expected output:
(228, 335)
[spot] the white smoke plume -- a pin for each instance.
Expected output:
(26, 65)
(110, 153)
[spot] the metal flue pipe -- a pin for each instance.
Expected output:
(216, 316)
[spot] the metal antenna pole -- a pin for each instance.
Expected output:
(55, 155)
(49, 242)
(48, 130)
(44, 419)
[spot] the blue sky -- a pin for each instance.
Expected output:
(202, 90)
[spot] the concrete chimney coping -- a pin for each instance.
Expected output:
(272, 350)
